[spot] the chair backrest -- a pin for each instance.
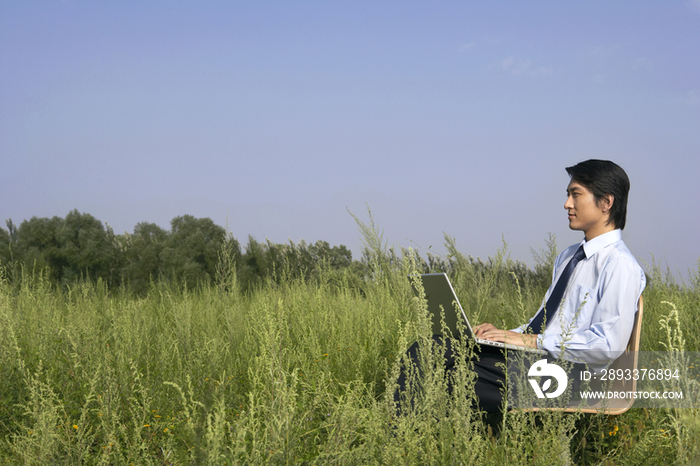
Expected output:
(633, 344)
(628, 360)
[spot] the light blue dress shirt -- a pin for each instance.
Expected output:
(595, 320)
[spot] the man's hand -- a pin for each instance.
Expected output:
(481, 328)
(490, 332)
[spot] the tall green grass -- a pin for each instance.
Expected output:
(296, 372)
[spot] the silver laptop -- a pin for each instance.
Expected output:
(440, 295)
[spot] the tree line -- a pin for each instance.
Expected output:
(196, 251)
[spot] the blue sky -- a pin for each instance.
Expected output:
(276, 118)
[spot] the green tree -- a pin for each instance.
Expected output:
(87, 248)
(273, 261)
(5, 247)
(253, 265)
(191, 251)
(39, 245)
(142, 255)
(337, 257)
(8, 243)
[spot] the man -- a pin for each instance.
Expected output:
(588, 311)
(599, 301)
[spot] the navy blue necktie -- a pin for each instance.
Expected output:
(554, 301)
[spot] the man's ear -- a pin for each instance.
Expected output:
(606, 202)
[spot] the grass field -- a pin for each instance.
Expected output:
(294, 372)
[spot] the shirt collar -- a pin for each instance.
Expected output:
(601, 241)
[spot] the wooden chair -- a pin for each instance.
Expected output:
(629, 361)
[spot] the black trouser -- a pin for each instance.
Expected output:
(488, 362)
(490, 381)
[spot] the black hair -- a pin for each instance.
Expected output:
(603, 177)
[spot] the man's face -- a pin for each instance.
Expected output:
(585, 214)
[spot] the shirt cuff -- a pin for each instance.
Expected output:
(547, 343)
